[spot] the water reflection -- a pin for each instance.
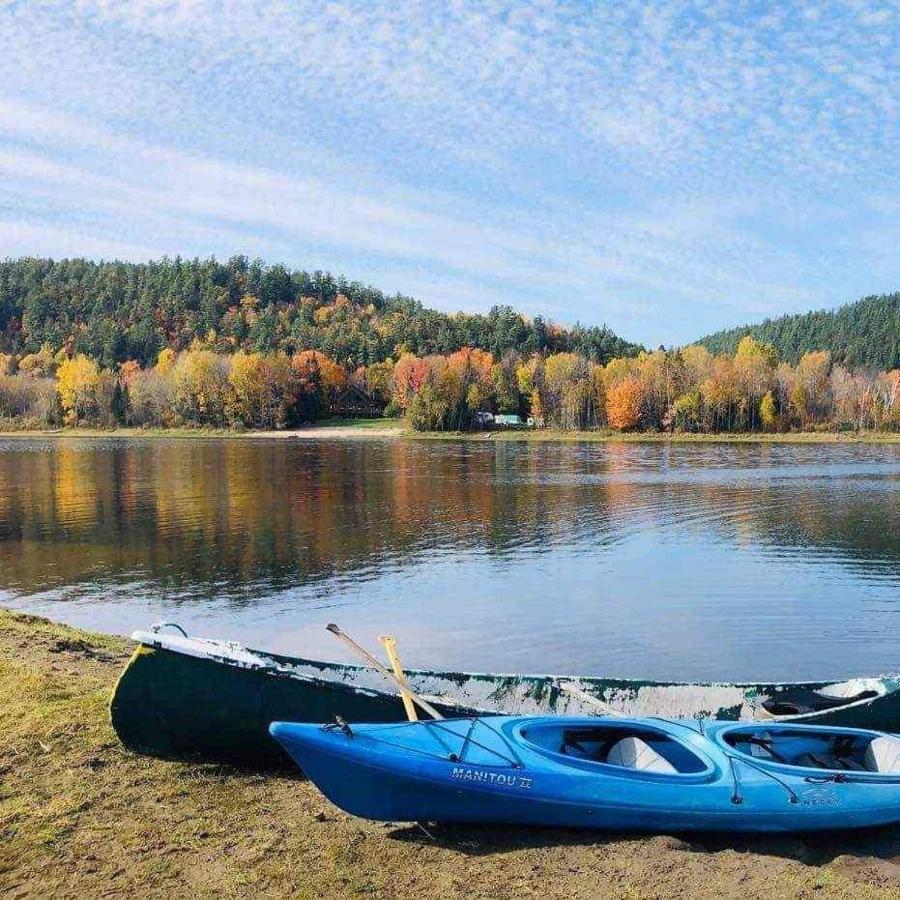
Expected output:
(683, 561)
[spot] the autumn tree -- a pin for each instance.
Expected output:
(410, 374)
(718, 393)
(623, 403)
(809, 395)
(685, 413)
(768, 413)
(200, 387)
(427, 410)
(374, 381)
(530, 378)
(754, 368)
(151, 399)
(42, 364)
(888, 391)
(128, 370)
(660, 376)
(165, 362)
(263, 389)
(34, 399)
(77, 382)
(571, 394)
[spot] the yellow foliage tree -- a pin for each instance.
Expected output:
(165, 362)
(808, 396)
(39, 365)
(263, 389)
(768, 415)
(200, 386)
(77, 381)
(529, 374)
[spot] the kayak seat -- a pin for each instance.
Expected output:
(883, 755)
(819, 749)
(608, 743)
(633, 753)
(757, 746)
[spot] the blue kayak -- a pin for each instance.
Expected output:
(606, 773)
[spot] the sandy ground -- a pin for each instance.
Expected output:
(80, 816)
(343, 432)
(379, 428)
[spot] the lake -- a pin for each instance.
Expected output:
(757, 561)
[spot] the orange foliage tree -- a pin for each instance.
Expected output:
(410, 374)
(320, 382)
(623, 403)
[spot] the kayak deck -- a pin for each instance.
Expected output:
(520, 770)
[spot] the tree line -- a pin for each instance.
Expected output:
(686, 390)
(115, 312)
(865, 333)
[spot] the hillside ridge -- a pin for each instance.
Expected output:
(118, 311)
(863, 333)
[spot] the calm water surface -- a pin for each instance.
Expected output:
(692, 561)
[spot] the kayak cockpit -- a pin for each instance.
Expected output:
(631, 746)
(817, 748)
(796, 701)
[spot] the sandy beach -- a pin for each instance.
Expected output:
(81, 816)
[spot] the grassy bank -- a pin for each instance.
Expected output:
(653, 437)
(397, 428)
(80, 816)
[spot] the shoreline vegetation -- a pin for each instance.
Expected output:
(686, 391)
(395, 429)
(82, 816)
(243, 346)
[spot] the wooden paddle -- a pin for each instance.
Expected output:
(574, 690)
(405, 691)
(389, 642)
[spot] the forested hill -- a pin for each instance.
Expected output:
(865, 333)
(116, 311)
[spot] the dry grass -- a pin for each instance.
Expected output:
(80, 816)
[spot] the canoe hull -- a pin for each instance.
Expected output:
(174, 705)
(366, 780)
(213, 700)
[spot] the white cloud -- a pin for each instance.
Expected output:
(19, 238)
(622, 162)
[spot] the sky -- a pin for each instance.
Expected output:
(667, 169)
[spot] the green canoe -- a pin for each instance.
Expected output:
(181, 696)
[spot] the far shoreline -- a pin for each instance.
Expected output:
(387, 429)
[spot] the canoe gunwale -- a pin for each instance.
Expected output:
(228, 653)
(235, 655)
(334, 674)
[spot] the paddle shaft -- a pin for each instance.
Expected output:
(364, 654)
(575, 691)
(389, 642)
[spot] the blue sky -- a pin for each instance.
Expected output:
(668, 169)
